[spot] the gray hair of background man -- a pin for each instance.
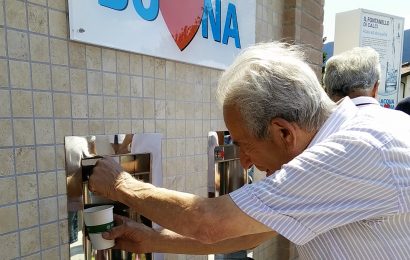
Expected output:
(352, 73)
(272, 80)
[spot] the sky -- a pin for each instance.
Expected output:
(393, 7)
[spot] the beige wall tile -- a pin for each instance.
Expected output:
(29, 241)
(39, 48)
(47, 184)
(4, 73)
(41, 76)
(148, 69)
(137, 108)
(149, 126)
(25, 160)
(170, 90)
(61, 181)
(110, 107)
(53, 253)
(40, 2)
(16, 14)
(95, 83)
(63, 231)
(27, 187)
(149, 108)
(20, 74)
(123, 62)
(148, 87)
(46, 158)
(77, 54)
(95, 106)
(159, 89)
(136, 64)
(1, 13)
(9, 246)
(8, 219)
(111, 126)
(170, 109)
(80, 127)
(58, 23)
(37, 19)
(137, 126)
(124, 108)
(160, 69)
(93, 57)
(2, 42)
(79, 106)
(110, 84)
(62, 206)
(62, 105)
(49, 235)
(43, 104)
(44, 131)
(6, 132)
(160, 108)
(23, 131)
(60, 156)
(8, 189)
(170, 70)
(136, 86)
(65, 251)
(48, 210)
(17, 44)
(28, 214)
(59, 51)
(96, 127)
(60, 78)
(124, 126)
(7, 159)
(58, 4)
(36, 256)
(78, 81)
(109, 60)
(62, 129)
(123, 85)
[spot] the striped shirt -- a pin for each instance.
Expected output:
(347, 196)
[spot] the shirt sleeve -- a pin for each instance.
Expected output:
(339, 181)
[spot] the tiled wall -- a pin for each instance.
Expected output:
(51, 87)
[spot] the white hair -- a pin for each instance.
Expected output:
(355, 69)
(272, 80)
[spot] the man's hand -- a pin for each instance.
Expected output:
(131, 236)
(107, 177)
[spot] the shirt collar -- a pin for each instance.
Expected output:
(365, 100)
(345, 110)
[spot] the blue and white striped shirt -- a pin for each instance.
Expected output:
(347, 196)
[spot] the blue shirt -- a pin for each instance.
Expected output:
(347, 196)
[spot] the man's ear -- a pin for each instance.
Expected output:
(283, 132)
(375, 89)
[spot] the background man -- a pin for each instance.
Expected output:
(354, 73)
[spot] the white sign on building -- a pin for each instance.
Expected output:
(203, 32)
(382, 32)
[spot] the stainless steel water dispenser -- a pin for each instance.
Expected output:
(82, 153)
(225, 174)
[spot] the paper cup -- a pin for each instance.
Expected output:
(98, 220)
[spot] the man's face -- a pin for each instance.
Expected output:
(266, 154)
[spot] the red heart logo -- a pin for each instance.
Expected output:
(183, 18)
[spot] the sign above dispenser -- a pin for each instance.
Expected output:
(202, 32)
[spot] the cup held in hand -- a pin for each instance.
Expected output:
(98, 220)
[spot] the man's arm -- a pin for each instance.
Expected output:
(206, 220)
(136, 237)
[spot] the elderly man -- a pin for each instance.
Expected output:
(338, 177)
(354, 73)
